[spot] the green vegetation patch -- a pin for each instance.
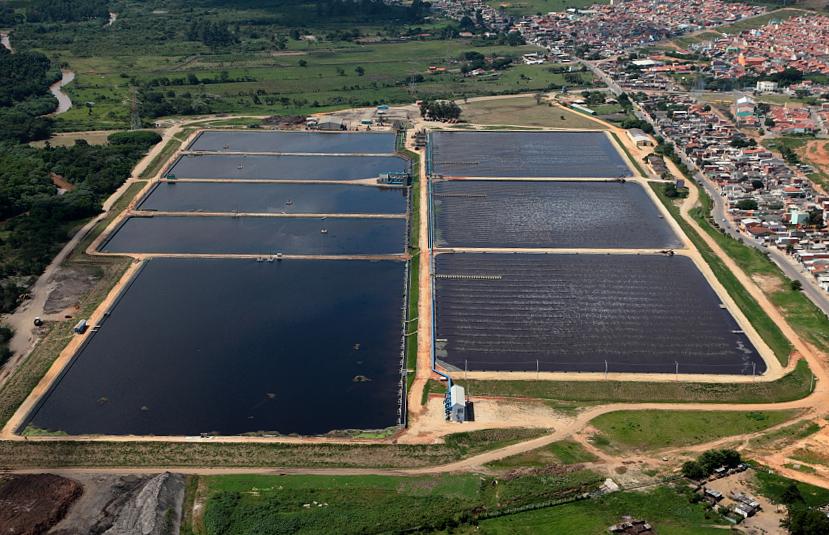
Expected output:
(18, 454)
(795, 385)
(561, 452)
(526, 111)
(375, 504)
(653, 429)
(669, 511)
(773, 487)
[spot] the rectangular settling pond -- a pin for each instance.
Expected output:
(470, 213)
(256, 197)
(273, 167)
(308, 142)
(258, 235)
(236, 346)
(526, 154)
(566, 312)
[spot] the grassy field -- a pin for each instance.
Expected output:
(772, 486)
(795, 385)
(531, 7)
(561, 452)
(649, 430)
(667, 510)
(30, 453)
(526, 112)
(373, 504)
(785, 436)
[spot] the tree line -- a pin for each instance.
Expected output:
(24, 95)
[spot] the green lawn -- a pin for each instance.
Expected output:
(525, 111)
(561, 452)
(649, 430)
(772, 486)
(668, 511)
(373, 504)
(794, 385)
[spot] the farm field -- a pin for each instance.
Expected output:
(147, 60)
(525, 111)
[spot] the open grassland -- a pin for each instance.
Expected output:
(376, 504)
(794, 385)
(147, 57)
(525, 111)
(669, 511)
(561, 452)
(804, 317)
(650, 430)
(785, 435)
(31, 453)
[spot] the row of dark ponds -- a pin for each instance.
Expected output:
(232, 346)
(650, 312)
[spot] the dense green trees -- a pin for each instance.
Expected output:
(66, 10)
(24, 95)
(440, 110)
(35, 218)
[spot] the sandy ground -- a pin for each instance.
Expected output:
(767, 520)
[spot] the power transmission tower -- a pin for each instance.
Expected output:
(135, 114)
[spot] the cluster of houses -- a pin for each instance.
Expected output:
(458, 9)
(607, 30)
(800, 43)
(775, 203)
(781, 120)
(743, 505)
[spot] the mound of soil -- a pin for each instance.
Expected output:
(31, 504)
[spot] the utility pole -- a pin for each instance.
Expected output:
(135, 115)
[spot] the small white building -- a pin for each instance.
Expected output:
(640, 138)
(457, 404)
(766, 86)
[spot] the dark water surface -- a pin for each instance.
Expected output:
(310, 142)
(258, 167)
(557, 312)
(257, 197)
(258, 235)
(548, 214)
(526, 154)
(236, 346)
